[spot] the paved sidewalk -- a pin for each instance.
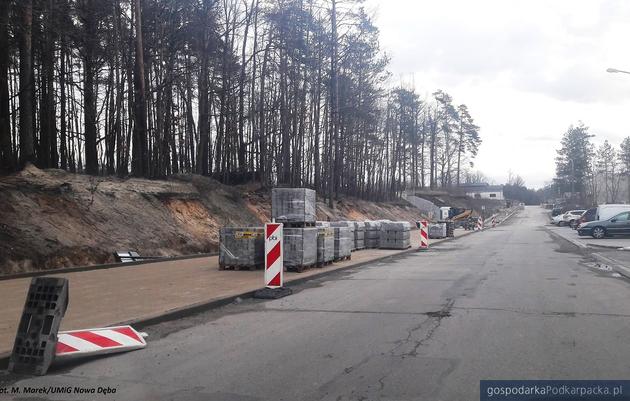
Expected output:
(108, 296)
(571, 235)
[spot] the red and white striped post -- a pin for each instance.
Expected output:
(274, 264)
(494, 221)
(91, 342)
(424, 235)
(480, 223)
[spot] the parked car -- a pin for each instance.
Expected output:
(587, 216)
(556, 211)
(605, 212)
(619, 224)
(555, 220)
(569, 218)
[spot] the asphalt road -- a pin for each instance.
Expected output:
(507, 303)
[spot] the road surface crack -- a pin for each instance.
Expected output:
(433, 321)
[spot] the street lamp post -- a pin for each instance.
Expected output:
(614, 70)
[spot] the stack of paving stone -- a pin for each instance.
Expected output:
(325, 245)
(437, 230)
(344, 241)
(300, 248)
(296, 209)
(372, 234)
(348, 224)
(359, 235)
(241, 247)
(395, 235)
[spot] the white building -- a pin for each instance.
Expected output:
(483, 191)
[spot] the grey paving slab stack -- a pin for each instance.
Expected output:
(372, 234)
(395, 235)
(300, 247)
(437, 230)
(359, 235)
(349, 225)
(344, 240)
(294, 205)
(325, 245)
(241, 247)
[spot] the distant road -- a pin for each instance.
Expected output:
(507, 303)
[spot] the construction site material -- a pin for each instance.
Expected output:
(102, 341)
(424, 235)
(293, 205)
(36, 338)
(344, 240)
(322, 224)
(325, 245)
(437, 230)
(350, 226)
(359, 235)
(274, 262)
(241, 247)
(372, 234)
(395, 235)
(300, 248)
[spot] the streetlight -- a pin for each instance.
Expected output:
(614, 70)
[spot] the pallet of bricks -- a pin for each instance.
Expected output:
(359, 235)
(349, 225)
(372, 234)
(296, 209)
(395, 235)
(344, 242)
(325, 244)
(241, 248)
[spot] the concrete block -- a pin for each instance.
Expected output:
(293, 205)
(241, 246)
(300, 246)
(344, 241)
(325, 245)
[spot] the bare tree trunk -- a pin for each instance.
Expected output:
(89, 100)
(334, 109)
(27, 149)
(140, 159)
(6, 154)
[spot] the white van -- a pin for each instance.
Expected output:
(604, 212)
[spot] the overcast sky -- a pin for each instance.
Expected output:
(526, 70)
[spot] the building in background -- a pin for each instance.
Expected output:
(483, 190)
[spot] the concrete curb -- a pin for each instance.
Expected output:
(617, 266)
(617, 248)
(104, 266)
(205, 306)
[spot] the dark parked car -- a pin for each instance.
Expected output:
(616, 225)
(556, 211)
(587, 216)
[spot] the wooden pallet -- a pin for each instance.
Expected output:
(239, 267)
(322, 264)
(300, 268)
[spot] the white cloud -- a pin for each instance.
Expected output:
(526, 69)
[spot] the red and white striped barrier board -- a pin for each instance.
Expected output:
(424, 235)
(480, 223)
(273, 255)
(108, 340)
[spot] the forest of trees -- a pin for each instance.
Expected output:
(289, 92)
(591, 174)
